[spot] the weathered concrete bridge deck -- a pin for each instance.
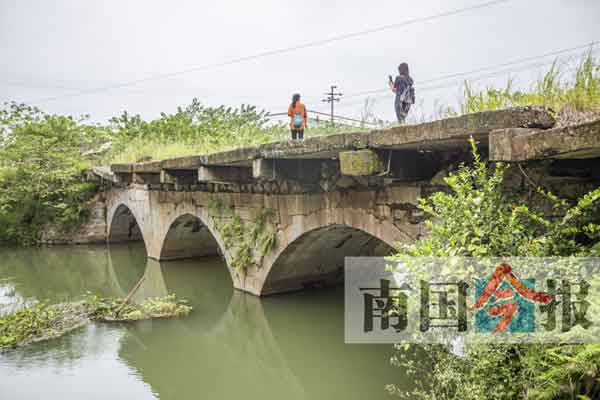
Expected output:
(284, 215)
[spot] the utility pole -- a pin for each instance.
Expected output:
(332, 97)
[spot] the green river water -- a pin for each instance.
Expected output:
(232, 346)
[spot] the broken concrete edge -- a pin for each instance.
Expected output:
(102, 173)
(449, 132)
(519, 144)
(457, 130)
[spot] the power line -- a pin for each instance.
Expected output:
(285, 114)
(276, 51)
(468, 73)
(342, 118)
(331, 98)
(483, 69)
(29, 85)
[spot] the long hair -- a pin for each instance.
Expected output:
(403, 69)
(295, 99)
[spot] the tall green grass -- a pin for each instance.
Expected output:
(556, 89)
(160, 146)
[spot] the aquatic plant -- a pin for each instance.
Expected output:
(114, 309)
(39, 322)
(44, 321)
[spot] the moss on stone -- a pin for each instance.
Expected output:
(359, 162)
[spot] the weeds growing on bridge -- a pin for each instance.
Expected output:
(248, 241)
(197, 129)
(574, 96)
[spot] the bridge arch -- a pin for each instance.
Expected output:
(124, 225)
(312, 250)
(187, 236)
(188, 232)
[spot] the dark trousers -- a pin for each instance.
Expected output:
(297, 134)
(401, 109)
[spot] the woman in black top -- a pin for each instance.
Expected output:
(405, 93)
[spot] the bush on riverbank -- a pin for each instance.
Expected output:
(43, 321)
(42, 156)
(477, 218)
(40, 171)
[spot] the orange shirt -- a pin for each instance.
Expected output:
(299, 109)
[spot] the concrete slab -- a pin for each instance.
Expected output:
(189, 162)
(327, 146)
(451, 133)
(242, 156)
(151, 167)
(454, 132)
(575, 141)
(121, 168)
(224, 174)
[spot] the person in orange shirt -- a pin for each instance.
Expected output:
(298, 118)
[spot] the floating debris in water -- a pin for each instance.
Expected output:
(42, 321)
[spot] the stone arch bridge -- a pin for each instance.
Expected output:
(284, 215)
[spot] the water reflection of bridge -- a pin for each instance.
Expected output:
(226, 329)
(232, 345)
(238, 345)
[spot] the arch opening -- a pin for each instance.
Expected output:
(124, 227)
(316, 258)
(188, 237)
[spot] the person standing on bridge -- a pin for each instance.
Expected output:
(402, 86)
(298, 118)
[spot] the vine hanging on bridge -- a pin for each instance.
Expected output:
(249, 244)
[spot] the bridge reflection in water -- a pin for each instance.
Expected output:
(232, 345)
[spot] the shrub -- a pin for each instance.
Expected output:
(477, 218)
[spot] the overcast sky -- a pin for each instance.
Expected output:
(51, 50)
